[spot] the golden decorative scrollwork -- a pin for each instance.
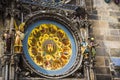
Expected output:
(49, 47)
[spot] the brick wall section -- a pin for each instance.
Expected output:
(106, 30)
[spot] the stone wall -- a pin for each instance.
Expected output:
(106, 30)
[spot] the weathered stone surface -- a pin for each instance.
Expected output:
(96, 31)
(1, 47)
(1, 78)
(95, 12)
(118, 19)
(100, 42)
(103, 24)
(112, 44)
(100, 61)
(103, 13)
(114, 13)
(109, 18)
(99, 37)
(103, 77)
(114, 25)
(113, 7)
(113, 38)
(101, 52)
(88, 2)
(102, 70)
(115, 52)
(98, 3)
(93, 17)
(114, 32)
(106, 61)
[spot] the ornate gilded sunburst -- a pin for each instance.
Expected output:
(49, 47)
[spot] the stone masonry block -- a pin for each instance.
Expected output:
(100, 61)
(113, 38)
(99, 37)
(98, 3)
(93, 17)
(100, 42)
(114, 13)
(96, 31)
(114, 25)
(103, 13)
(119, 31)
(101, 52)
(113, 7)
(102, 70)
(118, 19)
(103, 24)
(112, 44)
(114, 32)
(115, 52)
(103, 77)
(95, 12)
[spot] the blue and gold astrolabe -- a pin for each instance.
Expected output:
(49, 47)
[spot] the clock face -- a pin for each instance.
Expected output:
(49, 47)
